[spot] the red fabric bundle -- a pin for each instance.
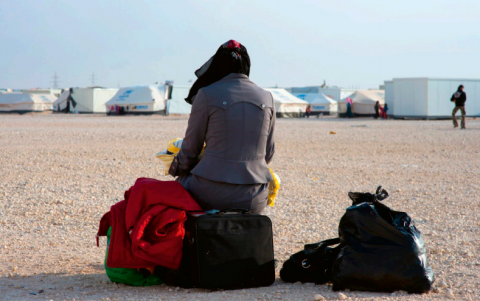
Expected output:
(148, 226)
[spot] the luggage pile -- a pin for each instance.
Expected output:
(378, 249)
(159, 234)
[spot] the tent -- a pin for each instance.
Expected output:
(83, 100)
(62, 103)
(286, 104)
(137, 100)
(321, 103)
(363, 102)
(90, 100)
(176, 103)
(25, 102)
(54, 92)
(335, 93)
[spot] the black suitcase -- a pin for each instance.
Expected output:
(230, 250)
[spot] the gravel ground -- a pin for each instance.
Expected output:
(60, 173)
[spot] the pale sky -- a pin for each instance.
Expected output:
(291, 43)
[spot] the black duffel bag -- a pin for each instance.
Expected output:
(383, 250)
(230, 249)
(313, 264)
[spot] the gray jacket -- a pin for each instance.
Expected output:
(236, 119)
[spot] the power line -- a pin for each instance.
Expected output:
(55, 80)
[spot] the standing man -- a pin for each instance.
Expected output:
(377, 110)
(459, 98)
(308, 111)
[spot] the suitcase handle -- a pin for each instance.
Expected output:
(239, 210)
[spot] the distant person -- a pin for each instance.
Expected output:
(377, 110)
(308, 111)
(385, 109)
(459, 98)
(349, 107)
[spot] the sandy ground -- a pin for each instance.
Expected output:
(60, 173)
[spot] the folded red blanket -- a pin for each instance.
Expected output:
(148, 226)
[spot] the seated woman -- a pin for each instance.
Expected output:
(235, 119)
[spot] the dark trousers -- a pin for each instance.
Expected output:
(462, 110)
(219, 195)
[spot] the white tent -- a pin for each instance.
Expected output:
(83, 100)
(363, 102)
(54, 92)
(176, 103)
(335, 93)
(138, 100)
(286, 104)
(61, 104)
(321, 103)
(25, 102)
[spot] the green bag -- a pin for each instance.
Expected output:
(128, 276)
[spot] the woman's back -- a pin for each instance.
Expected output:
(239, 133)
(235, 119)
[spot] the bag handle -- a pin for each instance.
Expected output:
(321, 246)
(380, 194)
(238, 210)
(325, 243)
(360, 197)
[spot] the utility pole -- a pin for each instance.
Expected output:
(93, 79)
(55, 80)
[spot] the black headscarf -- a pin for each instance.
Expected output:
(231, 57)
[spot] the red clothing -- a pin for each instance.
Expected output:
(148, 226)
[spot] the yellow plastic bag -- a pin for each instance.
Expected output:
(273, 188)
(169, 153)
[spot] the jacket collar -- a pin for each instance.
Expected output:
(235, 76)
